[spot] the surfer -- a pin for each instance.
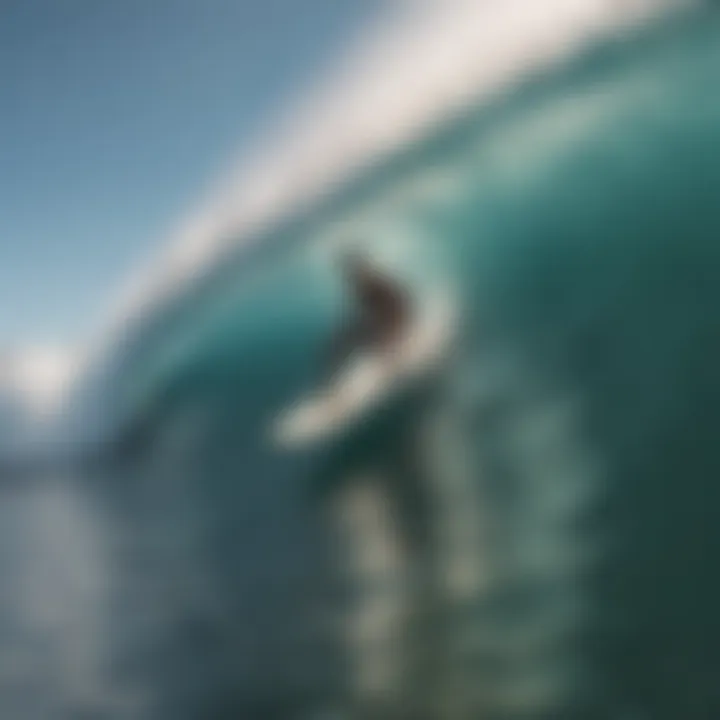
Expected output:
(386, 340)
(382, 313)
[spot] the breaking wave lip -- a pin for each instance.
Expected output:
(367, 107)
(333, 133)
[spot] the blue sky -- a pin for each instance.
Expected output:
(114, 114)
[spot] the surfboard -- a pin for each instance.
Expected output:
(367, 379)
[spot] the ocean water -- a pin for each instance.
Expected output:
(529, 532)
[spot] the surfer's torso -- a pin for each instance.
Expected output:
(382, 311)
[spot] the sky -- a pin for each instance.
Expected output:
(114, 116)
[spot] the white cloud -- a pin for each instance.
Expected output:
(35, 379)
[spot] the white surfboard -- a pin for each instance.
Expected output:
(367, 379)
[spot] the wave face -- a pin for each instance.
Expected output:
(530, 532)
